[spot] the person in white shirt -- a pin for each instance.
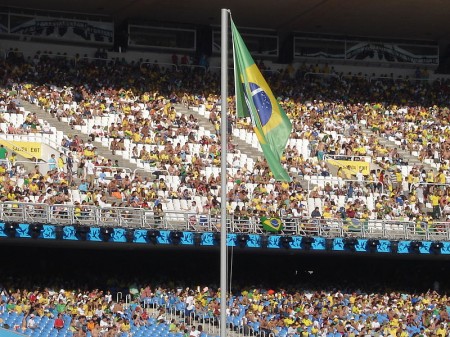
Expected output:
(108, 297)
(104, 324)
(46, 128)
(194, 332)
(360, 175)
(190, 306)
(375, 325)
(90, 173)
(31, 323)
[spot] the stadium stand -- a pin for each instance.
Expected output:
(159, 311)
(145, 129)
(135, 146)
(171, 139)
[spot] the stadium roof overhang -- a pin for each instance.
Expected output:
(405, 19)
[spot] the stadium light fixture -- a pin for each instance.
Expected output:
(35, 230)
(82, 232)
(350, 243)
(59, 232)
(129, 235)
(10, 229)
(106, 233)
(415, 246)
(242, 240)
(175, 237)
(329, 244)
(286, 241)
(394, 246)
(372, 245)
(264, 241)
(197, 239)
(436, 247)
(152, 236)
(307, 242)
(217, 238)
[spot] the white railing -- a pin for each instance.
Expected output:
(127, 217)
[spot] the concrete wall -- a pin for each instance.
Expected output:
(9, 333)
(29, 49)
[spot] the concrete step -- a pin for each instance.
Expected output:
(67, 129)
(404, 154)
(243, 146)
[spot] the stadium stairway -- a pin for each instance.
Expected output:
(243, 146)
(67, 129)
(409, 158)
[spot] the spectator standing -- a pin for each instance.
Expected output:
(52, 163)
(3, 154)
(90, 173)
(69, 164)
(61, 163)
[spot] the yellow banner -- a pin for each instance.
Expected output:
(25, 149)
(353, 166)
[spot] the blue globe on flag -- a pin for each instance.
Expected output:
(262, 103)
(272, 224)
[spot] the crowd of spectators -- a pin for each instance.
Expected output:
(328, 111)
(251, 311)
(331, 112)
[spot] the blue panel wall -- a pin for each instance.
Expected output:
(208, 239)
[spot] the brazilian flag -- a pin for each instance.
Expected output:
(255, 99)
(272, 224)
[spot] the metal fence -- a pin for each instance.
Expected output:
(139, 218)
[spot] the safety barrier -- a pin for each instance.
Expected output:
(136, 218)
(321, 181)
(308, 74)
(366, 159)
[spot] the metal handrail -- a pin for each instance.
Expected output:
(159, 64)
(318, 180)
(116, 169)
(136, 218)
(44, 137)
(366, 159)
(320, 74)
(10, 143)
(423, 183)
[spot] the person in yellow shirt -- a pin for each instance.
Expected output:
(60, 163)
(441, 331)
(19, 308)
(164, 157)
(441, 178)
(88, 153)
(11, 196)
(430, 176)
(136, 137)
(326, 213)
(34, 187)
(410, 180)
(434, 200)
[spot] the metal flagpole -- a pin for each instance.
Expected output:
(223, 172)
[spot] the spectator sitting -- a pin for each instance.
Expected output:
(316, 213)
(59, 322)
(84, 186)
(31, 323)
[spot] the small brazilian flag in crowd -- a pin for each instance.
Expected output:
(272, 224)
